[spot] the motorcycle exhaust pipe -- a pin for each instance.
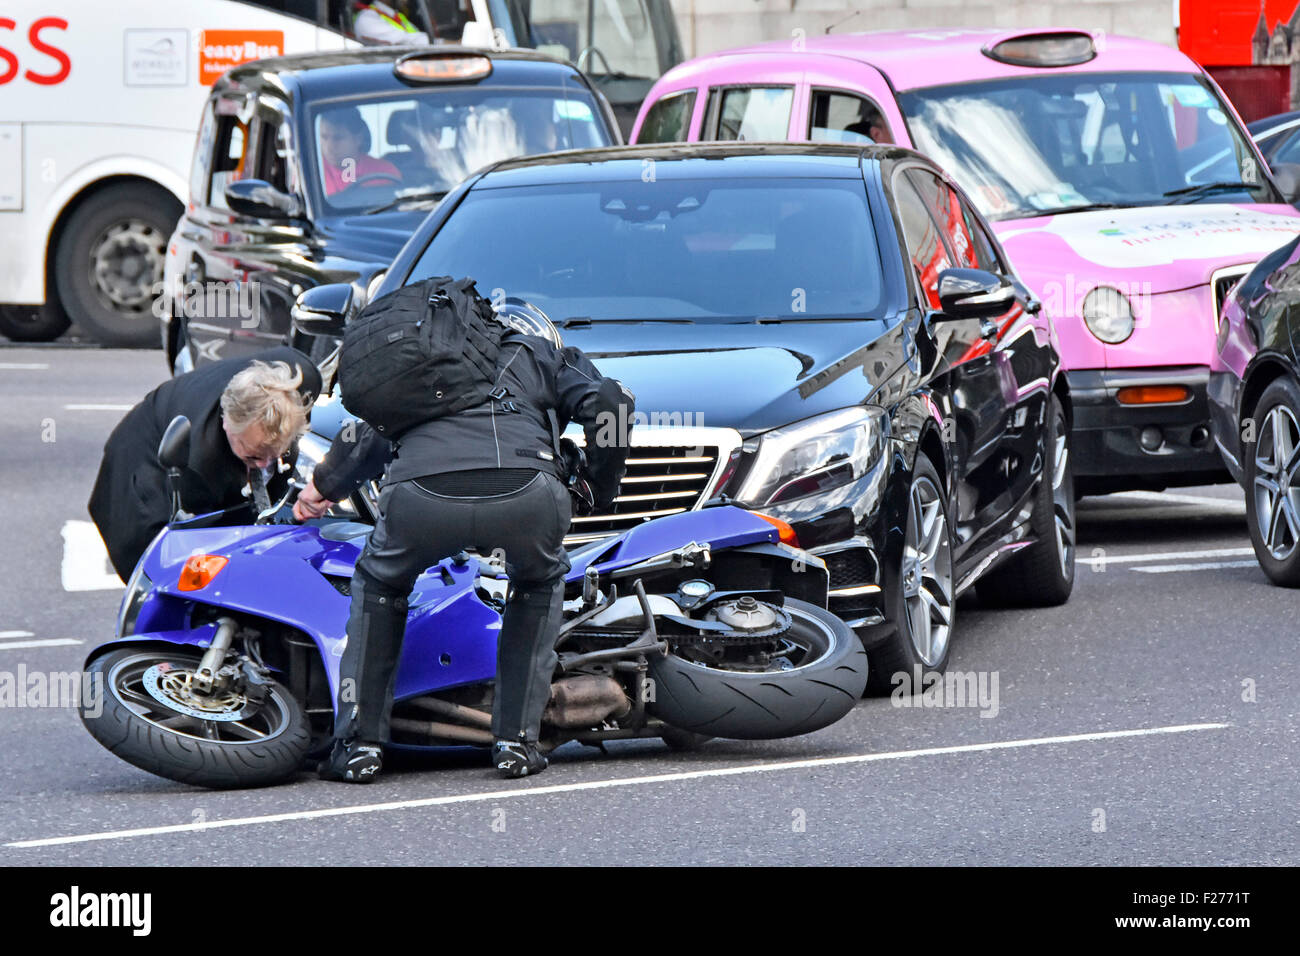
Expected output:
(441, 731)
(585, 700)
(457, 712)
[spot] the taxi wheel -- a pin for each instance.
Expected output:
(109, 257)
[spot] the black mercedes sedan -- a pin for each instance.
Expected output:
(1255, 406)
(316, 168)
(830, 335)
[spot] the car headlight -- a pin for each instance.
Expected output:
(814, 455)
(137, 589)
(1108, 314)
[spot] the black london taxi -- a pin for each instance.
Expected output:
(316, 168)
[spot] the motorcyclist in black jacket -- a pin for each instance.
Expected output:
(487, 478)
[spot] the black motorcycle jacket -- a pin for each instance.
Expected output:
(512, 429)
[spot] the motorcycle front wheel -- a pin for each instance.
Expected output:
(814, 680)
(143, 708)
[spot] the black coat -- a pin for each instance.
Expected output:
(131, 502)
(514, 432)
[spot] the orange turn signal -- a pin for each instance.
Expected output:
(785, 532)
(199, 571)
(1152, 394)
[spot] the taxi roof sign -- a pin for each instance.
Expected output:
(442, 67)
(1058, 48)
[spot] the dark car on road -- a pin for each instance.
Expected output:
(316, 168)
(827, 334)
(1256, 406)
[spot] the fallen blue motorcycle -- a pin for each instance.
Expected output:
(224, 671)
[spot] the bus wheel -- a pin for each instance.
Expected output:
(109, 258)
(33, 323)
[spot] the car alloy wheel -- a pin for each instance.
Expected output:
(1277, 500)
(927, 573)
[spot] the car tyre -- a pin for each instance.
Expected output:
(922, 608)
(1272, 477)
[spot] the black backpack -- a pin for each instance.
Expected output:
(421, 352)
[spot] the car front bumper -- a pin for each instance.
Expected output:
(1118, 446)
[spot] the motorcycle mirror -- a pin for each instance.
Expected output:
(174, 449)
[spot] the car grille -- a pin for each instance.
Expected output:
(1221, 284)
(669, 471)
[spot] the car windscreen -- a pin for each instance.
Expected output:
(365, 152)
(699, 250)
(1051, 143)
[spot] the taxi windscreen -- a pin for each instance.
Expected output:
(365, 153)
(703, 251)
(1062, 142)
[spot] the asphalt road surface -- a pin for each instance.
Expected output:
(1152, 720)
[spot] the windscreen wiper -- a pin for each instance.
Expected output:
(419, 196)
(1208, 188)
(1088, 207)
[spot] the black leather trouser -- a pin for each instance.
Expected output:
(416, 529)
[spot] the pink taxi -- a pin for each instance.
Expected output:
(1115, 173)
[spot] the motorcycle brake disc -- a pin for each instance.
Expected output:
(173, 688)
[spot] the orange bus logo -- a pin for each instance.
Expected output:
(219, 50)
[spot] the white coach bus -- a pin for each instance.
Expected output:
(100, 104)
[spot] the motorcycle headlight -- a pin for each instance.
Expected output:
(814, 455)
(137, 589)
(1108, 314)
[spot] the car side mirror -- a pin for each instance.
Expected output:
(174, 449)
(974, 294)
(323, 310)
(261, 200)
(1287, 177)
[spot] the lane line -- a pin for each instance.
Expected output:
(23, 365)
(1209, 566)
(98, 408)
(1165, 556)
(46, 642)
(1177, 499)
(607, 784)
(7, 634)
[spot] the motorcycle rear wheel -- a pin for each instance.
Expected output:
(823, 675)
(241, 745)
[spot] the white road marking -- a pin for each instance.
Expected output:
(46, 642)
(98, 408)
(7, 634)
(23, 365)
(1165, 556)
(607, 784)
(1209, 566)
(85, 560)
(1170, 498)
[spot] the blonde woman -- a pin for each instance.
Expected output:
(245, 417)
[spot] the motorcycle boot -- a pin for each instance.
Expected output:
(526, 659)
(368, 670)
(352, 761)
(517, 758)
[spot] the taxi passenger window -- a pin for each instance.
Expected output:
(925, 245)
(751, 113)
(846, 118)
(669, 120)
(230, 144)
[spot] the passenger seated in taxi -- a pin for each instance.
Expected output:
(871, 125)
(345, 157)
